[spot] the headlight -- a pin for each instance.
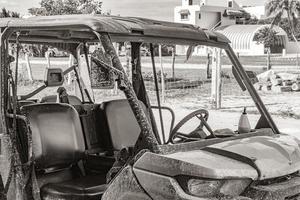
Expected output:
(211, 188)
(204, 188)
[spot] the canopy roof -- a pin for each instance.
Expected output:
(241, 36)
(81, 27)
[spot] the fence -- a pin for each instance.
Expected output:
(187, 80)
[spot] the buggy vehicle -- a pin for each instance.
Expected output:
(65, 146)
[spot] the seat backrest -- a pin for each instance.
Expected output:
(122, 124)
(73, 100)
(56, 135)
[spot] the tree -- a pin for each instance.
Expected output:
(267, 37)
(280, 9)
(62, 7)
(6, 13)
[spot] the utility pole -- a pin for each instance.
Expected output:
(173, 61)
(28, 66)
(162, 74)
(47, 56)
(208, 75)
(216, 78)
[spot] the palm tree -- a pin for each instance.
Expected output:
(280, 9)
(267, 37)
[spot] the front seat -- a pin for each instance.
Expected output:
(58, 146)
(122, 125)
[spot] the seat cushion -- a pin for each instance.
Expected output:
(123, 127)
(87, 188)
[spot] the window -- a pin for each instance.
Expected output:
(184, 16)
(190, 2)
(199, 15)
(230, 4)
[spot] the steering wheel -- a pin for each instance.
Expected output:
(195, 135)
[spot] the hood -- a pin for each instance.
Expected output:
(258, 158)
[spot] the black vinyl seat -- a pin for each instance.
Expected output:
(58, 146)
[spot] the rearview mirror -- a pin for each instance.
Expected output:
(54, 77)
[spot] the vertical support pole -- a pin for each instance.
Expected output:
(269, 65)
(2, 189)
(28, 66)
(297, 60)
(173, 61)
(136, 68)
(216, 78)
(116, 46)
(12, 156)
(47, 56)
(139, 85)
(2, 122)
(128, 66)
(162, 77)
(208, 75)
(71, 63)
(219, 80)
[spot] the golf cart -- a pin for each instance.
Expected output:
(68, 146)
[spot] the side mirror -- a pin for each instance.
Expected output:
(54, 77)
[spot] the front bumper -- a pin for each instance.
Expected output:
(286, 190)
(164, 187)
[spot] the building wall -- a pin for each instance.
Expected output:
(226, 21)
(208, 19)
(192, 16)
(211, 13)
(194, 2)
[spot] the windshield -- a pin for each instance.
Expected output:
(187, 85)
(180, 84)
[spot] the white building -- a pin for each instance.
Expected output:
(208, 14)
(226, 16)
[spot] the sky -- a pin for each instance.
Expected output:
(156, 9)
